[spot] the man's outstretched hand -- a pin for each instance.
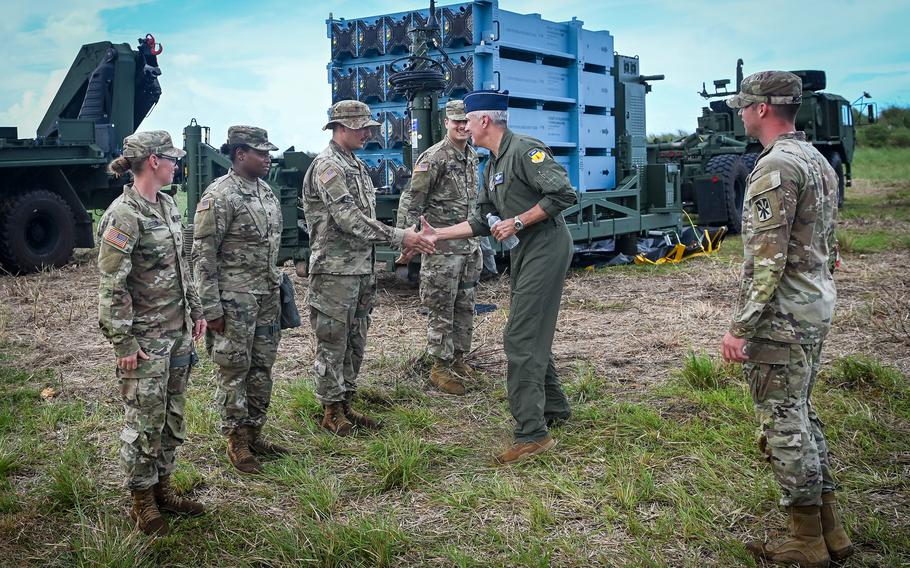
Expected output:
(418, 242)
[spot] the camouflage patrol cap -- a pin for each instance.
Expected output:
(143, 144)
(455, 110)
(772, 87)
(350, 113)
(252, 136)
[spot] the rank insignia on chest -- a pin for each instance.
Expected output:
(116, 238)
(537, 155)
(763, 210)
(328, 175)
(498, 179)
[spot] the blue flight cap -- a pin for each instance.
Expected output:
(486, 100)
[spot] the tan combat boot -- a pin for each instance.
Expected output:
(334, 419)
(803, 546)
(262, 447)
(442, 378)
(145, 513)
(358, 419)
(168, 500)
(238, 451)
(461, 367)
(836, 538)
(524, 450)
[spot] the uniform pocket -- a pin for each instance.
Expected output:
(766, 369)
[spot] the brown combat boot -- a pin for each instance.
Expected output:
(461, 367)
(358, 419)
(168, 500)
(836, 538)
(238, 451)
(803, 546)
(442, 378)
(146, 515)
(262, 447)
(524, 450)
(334, 420)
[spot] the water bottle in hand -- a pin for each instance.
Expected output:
(509, 243)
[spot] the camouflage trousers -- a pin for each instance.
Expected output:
(340, 309)
(153, 396)
(447, 284)
(245, 353)
(781, 377)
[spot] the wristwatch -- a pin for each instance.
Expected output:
(518, 224)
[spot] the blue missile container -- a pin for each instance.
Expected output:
(558, 74)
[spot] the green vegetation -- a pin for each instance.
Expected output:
(892, 129)
(882, 164)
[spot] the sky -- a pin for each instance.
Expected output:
(264, 63)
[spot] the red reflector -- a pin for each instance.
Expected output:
(715, 179)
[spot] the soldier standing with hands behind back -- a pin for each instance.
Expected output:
(148, 310)
(235, 251)
(443, 188)
(529, 191)
(339, 203)
(784, 312)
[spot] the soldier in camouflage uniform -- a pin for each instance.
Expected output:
(339, 203)
(235, 253)
(443, 188)
(784, 312)
(148, 310)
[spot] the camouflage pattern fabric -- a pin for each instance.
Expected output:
(245, 354)
(147, 301)
(145, 285)
(447, 285)
(787, 292)
(236, 240)
(154, 396)
(340, 308)
(235, 251)
(339, 203)
(781, 377)
(785, 307)
(252, 136)
(352, 114)
(443, 188)
(772, 87)
(141, 145)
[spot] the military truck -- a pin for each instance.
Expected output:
(50, 183)
(716, 160)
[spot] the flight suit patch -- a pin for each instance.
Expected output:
(537, 155)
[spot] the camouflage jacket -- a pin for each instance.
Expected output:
(443, 188)
(236, 240)
(339, 203)
(145, 286)
(522, 175)
(787, 292)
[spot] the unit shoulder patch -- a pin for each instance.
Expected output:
(537, 155)
(117, 238)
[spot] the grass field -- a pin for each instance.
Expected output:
(657, 467)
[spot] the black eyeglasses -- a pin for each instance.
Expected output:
(171, 159)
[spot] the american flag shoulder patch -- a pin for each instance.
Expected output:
(328, 175)
(422, 167)
(116, 238)
(204, 205)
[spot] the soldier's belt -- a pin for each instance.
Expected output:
(267, 330)
(183, 360)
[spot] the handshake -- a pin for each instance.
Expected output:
(413, 243)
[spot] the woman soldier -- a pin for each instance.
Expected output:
(149, 311)
(235, 261)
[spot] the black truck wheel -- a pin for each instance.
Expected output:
(749, 160)
(731, 169)
(838, 164)
(37, 229)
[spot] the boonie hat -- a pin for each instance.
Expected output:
(144, 144)
(350, 113)
(771, 87)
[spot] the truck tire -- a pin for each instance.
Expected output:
(731, 169)
(749, 160)
(838, 164)
(37, 230)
